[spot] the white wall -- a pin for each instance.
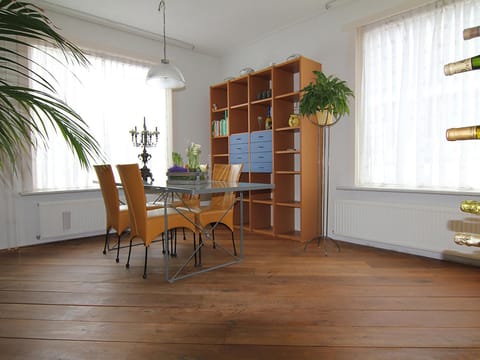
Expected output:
(330, 39)
(18, 214)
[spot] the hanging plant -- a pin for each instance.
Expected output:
(326, 94)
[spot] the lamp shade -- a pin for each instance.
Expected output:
(165, 76)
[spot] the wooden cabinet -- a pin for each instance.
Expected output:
(287, 156)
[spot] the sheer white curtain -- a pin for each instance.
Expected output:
(112, 97)
(406, 103)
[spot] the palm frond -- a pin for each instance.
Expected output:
(27, 114)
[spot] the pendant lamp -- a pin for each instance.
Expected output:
(165, 75)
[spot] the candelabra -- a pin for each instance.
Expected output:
(145, 139)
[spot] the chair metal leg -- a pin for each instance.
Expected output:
(198, 261)
(173, 244)
(175, 248)
(195, 249)
(106, 241)
(164, 244)
(213, 237)
(233, 242)
(118, 248)
(200, 244)
(145, 263)
(127, 265)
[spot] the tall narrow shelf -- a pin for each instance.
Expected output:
(291, 210)
(218, 110)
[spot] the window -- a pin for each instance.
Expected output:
(406, 103)
(112, 97)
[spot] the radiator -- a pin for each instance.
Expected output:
(68, 219)
(419, 227)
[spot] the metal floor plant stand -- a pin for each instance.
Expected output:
(324, 178)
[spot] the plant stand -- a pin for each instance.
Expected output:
(324, 178)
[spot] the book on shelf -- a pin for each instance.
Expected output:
(220, 127)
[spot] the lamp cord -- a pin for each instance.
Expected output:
(160, 7)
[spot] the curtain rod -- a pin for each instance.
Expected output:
(111, 24)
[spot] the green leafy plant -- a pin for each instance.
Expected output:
(177, 159)
(326, 93)
(25, 113)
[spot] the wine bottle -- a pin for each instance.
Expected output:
(463, 133)
(469, 64)
(268, 119)
(471, 33)
(470, 206)
(467, 239)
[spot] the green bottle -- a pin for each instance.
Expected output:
(469, 64)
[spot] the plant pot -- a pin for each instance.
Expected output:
(189, 177)
(325, 118)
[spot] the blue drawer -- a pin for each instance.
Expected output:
(238, 158)
(261, 156)
(241, 138)
(261, 146)
(261, 167)
(238, 148)
(264, 135)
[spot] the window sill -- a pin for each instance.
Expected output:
(409, 191)
(60, 191)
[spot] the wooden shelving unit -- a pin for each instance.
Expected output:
(291, 210)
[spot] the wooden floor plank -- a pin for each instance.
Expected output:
(297, 316)
(22, 349)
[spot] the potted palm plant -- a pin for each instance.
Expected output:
(25, 112)
(325, 100)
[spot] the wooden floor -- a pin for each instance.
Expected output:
(69, 301)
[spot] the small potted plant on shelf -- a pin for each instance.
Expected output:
(325, 100)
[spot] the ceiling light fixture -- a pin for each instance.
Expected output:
(165, 75)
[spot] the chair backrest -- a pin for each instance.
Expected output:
(135, 194)
(109, 193)
(225, 172)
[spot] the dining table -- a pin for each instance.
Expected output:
(165, 190)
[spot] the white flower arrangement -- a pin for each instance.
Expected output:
(193, 155)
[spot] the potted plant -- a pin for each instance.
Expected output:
(325, 100)
(193, 171)
(25, 112)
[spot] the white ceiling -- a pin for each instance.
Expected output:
(211, 26)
